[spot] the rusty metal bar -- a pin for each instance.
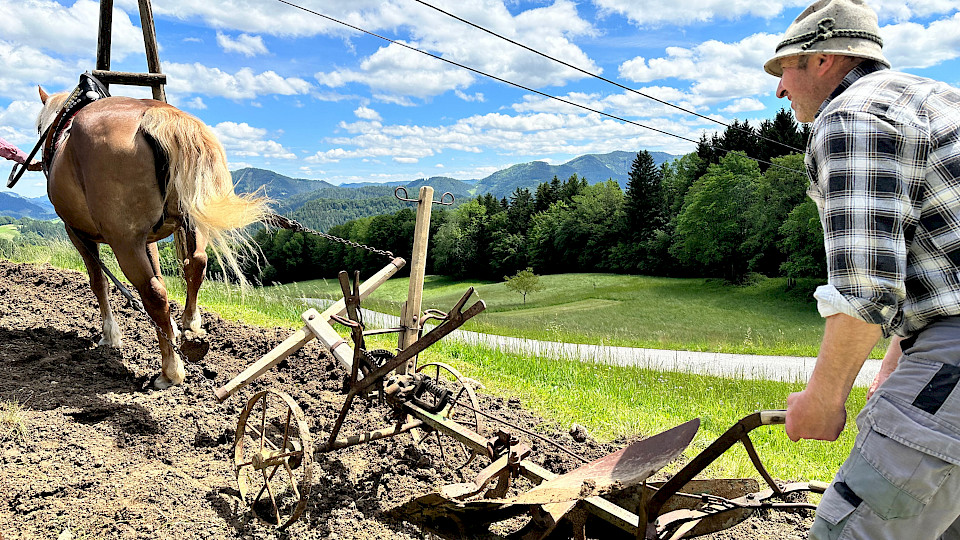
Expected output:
(354, 440)
(700, 462)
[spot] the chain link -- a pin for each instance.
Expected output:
(291, 224)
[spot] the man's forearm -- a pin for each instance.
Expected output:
(847, 342)
(818, 412)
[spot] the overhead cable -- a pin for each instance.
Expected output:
(600, 77)
(526, 88)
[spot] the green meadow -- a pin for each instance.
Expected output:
(765, 317)
(9, 231)
(613, 403)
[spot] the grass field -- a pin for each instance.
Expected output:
(611, 402)
(9, 231)
(632, 311)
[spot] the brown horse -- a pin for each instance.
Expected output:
(103, 182)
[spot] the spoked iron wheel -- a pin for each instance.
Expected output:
(462, 408)
(273, 457)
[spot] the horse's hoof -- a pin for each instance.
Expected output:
(191, 334)
(162, 382)
(109, 343)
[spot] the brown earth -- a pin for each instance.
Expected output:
(106, 456)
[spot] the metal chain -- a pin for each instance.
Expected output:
(286, 223)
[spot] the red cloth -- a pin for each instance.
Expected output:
(9, 151)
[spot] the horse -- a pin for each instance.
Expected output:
(129, 172)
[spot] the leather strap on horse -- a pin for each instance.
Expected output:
(88, 90)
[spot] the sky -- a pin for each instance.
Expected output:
(298, 94)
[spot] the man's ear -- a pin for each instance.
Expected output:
(43, 95)
(826, 62)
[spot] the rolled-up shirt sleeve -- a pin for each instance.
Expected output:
(864, 170)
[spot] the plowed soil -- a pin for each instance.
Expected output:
(103, 455)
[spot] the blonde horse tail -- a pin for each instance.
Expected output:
(201, 182)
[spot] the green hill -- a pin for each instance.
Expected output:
(594, 167)
(276, 186)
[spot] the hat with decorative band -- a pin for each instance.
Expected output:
(847, 27)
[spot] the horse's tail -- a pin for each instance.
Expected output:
(201, 182)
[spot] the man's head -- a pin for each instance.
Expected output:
(822, 45)
(844, 27)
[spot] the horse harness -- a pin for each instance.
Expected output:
(88, 90)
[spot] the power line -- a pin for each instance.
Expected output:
(600, 77)
(522, 87)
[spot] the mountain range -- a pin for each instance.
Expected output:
(15, 206)
(312, 200)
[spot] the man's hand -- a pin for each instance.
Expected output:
(819, 411)
(35, 166)
(890, 361)
(810, 417)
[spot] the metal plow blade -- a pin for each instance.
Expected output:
(617, 471)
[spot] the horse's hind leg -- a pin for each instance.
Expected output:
(142, 268)
(154, 254)
(195, 264)
(90, 251)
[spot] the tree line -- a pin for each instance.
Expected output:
(735, 206)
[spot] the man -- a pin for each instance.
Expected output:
(884, 167)
(11, 152)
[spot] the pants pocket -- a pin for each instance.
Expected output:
(894, 480)
(833, 512)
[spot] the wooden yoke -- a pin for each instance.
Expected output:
(410, 320)
(316, 325)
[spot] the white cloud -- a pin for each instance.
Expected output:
(466, 97)
(71, 30)
(366, 113)
(719, 71)
(271, 18)
(539, 134)
(658, 13)
(196, 104)
(25, 67)
(244, 84)
(902, 10)
(398, 70)
(244, 140)
(743, 105)
(244, 44)
(911, 45)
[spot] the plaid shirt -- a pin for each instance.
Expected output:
(884, 164)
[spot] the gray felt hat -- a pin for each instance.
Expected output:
(847, 27)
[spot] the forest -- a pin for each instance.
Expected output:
(736, 206)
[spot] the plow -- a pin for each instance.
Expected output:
(613, 496)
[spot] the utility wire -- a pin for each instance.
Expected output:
(602, 78)
(526, 88)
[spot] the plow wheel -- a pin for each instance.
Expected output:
(272, 457)
(462, 408)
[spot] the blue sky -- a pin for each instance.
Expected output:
(289, 91)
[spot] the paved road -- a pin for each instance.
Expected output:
(778, 368)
